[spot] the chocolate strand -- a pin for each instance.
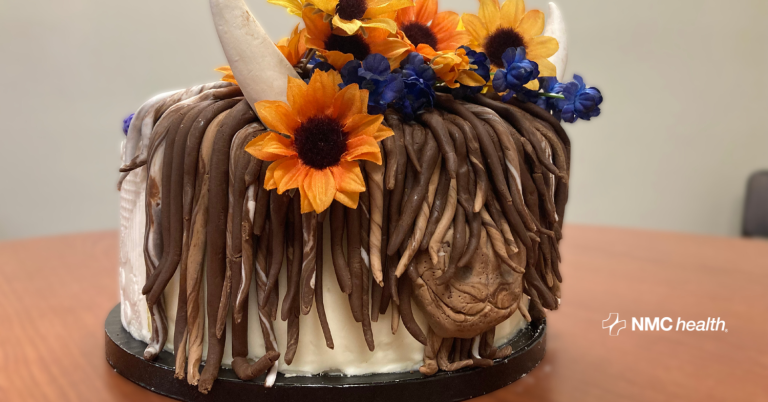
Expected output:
(430, 354)
(247, 371)
(444, 142)
(438, 207)
(416, 195)
(475, 158)
(406, 310)
(444, 224)
(376, 190)
(409, 147)
(390, 146)
(262, 202)
(295, 252)
(367, 330)
(386, 291)
(309, 262)
(241, 297)
(397, 195)
(278, 212)
(355, 263)
(497, 241)
(241, 115)
(462, 174)
(457, 247)
(319, 288)
(340, 266)
(205, 130)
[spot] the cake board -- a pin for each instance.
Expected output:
(124, 354)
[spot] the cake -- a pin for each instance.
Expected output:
(381, 192)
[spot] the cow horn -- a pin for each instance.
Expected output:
(259, 67)
(555, 28)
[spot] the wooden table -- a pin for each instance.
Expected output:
(55, 294)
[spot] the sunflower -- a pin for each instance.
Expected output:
(423, 26)
(317, 139)
(497, 28)
(454, 68)
(293, 48)
(351, 15)
(334, 46)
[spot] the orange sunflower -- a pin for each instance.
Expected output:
(339, 48)
(497, 28)
(423, 25)
(351, 15)
(317, 139)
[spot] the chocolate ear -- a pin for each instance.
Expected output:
(555, 28)
(259, 67)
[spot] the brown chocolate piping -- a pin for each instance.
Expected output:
(430, 354)
(394, 122)
(409, 147)
(180, 330)
(337, 248)
(376, 190)
(397, 195)
(309, 262)
(367, 330)
(267, 326)
(294, 253)
(445, 222)
(386, 264)
(365, 214)
(416, 195)
(278, 210)
(497, 241)
(438, 207)
(247, 239)
(197, 241)
(462, 174)
(542, 114)
(406, 309)
(262, 202)
(443, 360)
(475, 159)
(241, 115)
(495, 165)
(495, 211)
(458, 246)
(319, 304)
(355, 260)
(247, 371)
(395, 318)
(412, 245)
(440, 132)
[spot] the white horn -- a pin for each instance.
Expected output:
(259, 67)
(555, 28)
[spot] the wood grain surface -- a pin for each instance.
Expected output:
(56, 292)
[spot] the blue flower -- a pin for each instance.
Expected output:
(374, 75)
(580, 102)
(418, 80)
(517, 72)
(315, 64)
(481, 65)
(127, 123)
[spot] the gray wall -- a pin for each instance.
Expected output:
(684, 83)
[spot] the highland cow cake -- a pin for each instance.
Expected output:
(381, 192)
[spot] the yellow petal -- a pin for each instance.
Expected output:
(294, 6)
(338, 59)
(512, 12)
(383, 23)
(319, 187)
(377, 8)
(224, 69)
(297, 93)
(306, 205)
(489, 13)
(475, 26)
(471, 78)
(277, 116)
(383, 132)
(270, 147)
(321, 92)
(348, 177)
(546, 68)
(349, 200)
(328, 6)
(363, 125)
(363, 148)
(269, 178)
(290, 174)
(541, 47)
(347, 103)
(533, 85)
(350, 27)
(531, 25)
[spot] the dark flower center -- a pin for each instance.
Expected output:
(320, 142)
(354, 45)
(351, 9)
(419, 34)
(498, 43)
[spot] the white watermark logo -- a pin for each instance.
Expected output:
(666, 324)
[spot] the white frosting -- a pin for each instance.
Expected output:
(393, 353)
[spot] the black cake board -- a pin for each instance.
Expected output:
(124, 354)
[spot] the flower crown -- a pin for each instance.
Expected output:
(357, 58)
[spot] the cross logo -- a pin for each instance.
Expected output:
(613, 324)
